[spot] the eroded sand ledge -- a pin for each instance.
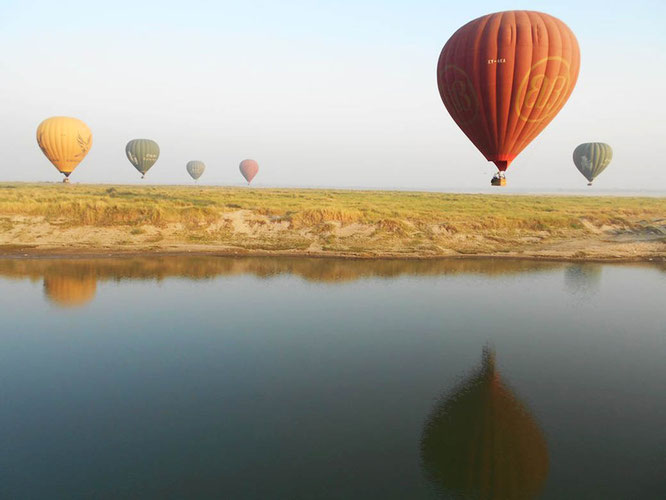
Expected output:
(31, 236)
(50, 220)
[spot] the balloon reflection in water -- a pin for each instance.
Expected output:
(582, 279)
(70, 291)
(481, 441)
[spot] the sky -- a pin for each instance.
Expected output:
(338, 93)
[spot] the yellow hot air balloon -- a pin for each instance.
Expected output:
(65, 141)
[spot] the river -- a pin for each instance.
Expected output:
(217, 377)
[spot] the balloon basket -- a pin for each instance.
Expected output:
(65, 180)
(498, 181)
(589, 183)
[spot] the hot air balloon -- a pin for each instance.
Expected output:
(65, 141)
(195, 169)
(481, 442)
(249, 169)
(503, 77)
(592, 158)
(142, 153)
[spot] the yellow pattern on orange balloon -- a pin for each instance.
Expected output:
(65, 141)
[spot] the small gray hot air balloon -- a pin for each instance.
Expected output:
(142, 153)
(249, 169)
(591, 158)
(195, 168)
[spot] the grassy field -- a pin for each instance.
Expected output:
(326, 222)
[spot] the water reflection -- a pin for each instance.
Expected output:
(70, 291)
(583, 279)
(73, 282)
(482, 442)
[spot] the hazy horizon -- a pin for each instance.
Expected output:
(330, 94)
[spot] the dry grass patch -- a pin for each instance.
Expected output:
(294, 219)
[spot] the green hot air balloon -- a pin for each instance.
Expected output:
(195, 169)
(142, 153)
(592, 158)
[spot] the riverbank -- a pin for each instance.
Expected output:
(55, 219)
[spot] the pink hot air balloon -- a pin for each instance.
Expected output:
(249, 169)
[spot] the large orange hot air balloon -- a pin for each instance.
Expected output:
(503, 77)
(65, 141)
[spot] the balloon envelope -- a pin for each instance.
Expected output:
(249, 169)
(65, 141)
(503, 77)
(592, 158)
(142, 153)
(195, 168)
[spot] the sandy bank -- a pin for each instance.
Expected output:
(102, 220)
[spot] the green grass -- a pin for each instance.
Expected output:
(391, 210)
(399, 222)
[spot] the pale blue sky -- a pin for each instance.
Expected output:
(328, 93)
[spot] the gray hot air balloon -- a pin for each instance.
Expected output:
(142, 153)
(195, 168)
(591, 158)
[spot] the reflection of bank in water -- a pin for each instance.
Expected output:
(70, 291)
(311, 269)
(72, 282)
(582, 279)
(481, 442)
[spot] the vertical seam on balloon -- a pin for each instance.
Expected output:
(535, 130)
(452, 59)
(70, 139)
(144, 151)
(514, 41)
(491, 87)
(477, 81)
(61, 148)
(511, 136)
(53, 139)
(56, 146)
(520, 124)
(452, 56)
(142, 157)
(529, 126)
(567, 56)
(597, 158)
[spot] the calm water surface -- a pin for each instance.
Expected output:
(315, 379)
